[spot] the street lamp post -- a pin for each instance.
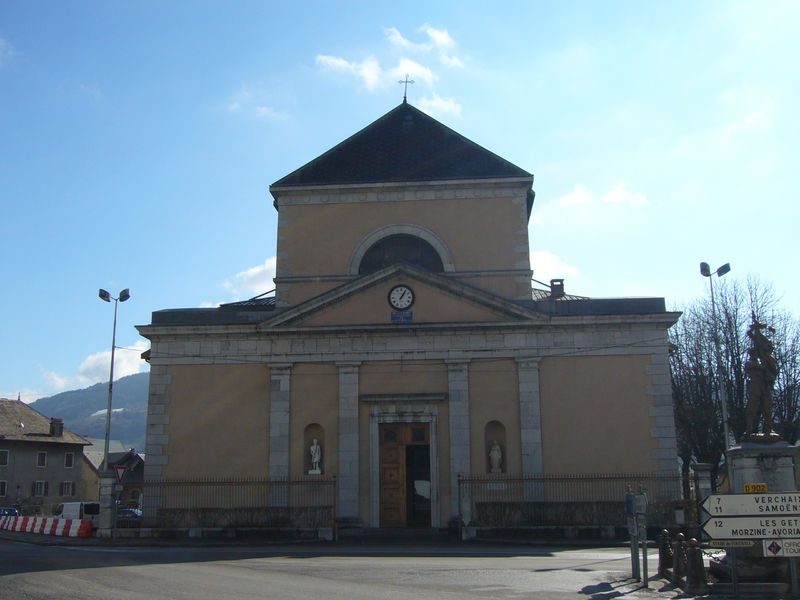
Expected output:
(706, 271)
(105, 296)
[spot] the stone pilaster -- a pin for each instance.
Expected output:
(458, 400)
(279, 408)
(348, 505)
(530, 415)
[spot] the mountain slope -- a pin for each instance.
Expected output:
(83, 410)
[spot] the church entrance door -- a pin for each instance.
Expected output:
(405, 475)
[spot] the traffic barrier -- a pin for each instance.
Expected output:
(48, 526)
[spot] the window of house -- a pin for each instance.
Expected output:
(41, 459)
(67, 488)
(3, 486)
(39, 488)
(69, 460)
(3, 458)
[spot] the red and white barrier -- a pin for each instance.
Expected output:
(48, 526)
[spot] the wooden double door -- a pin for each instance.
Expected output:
(405, 475)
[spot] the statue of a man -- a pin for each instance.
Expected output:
(761, 369)
(495, 458)
(316, 456)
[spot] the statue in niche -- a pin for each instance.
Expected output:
(316, 458)
(495, 458)
(762, 371)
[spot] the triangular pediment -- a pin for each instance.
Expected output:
(438, 299)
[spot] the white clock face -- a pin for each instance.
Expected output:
(401, 297)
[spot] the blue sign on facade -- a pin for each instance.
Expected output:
(402, 316)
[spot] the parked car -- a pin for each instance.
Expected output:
(129, 513)
(8, 511)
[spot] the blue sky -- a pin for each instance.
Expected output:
(138, 142)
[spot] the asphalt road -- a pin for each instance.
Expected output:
(319, 572)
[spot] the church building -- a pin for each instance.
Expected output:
(405, 346)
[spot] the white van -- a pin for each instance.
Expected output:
(79, 510)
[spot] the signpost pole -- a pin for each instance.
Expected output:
(642, 527)
(633, 532)
(795, 586)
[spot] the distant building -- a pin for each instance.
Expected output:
(40, 461)
(132, 477)
(92, 461)
(405, 346)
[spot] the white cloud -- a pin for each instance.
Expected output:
(95, 368)
(253, 281)
(439, 42)
(6, 51)
(440, 38)
(547, 265)
(620, 194)
(580, 207)
(436, 105)
(245, 101)
(368, 71)
(396, 39)
(26, 395)
(414, 70)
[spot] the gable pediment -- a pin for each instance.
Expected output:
(438, 299)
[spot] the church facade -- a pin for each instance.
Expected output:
(404, 345)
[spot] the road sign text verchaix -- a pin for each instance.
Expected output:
(752, 504)
(773, 503)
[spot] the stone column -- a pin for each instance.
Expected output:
(458, 400)
(279, 410)
(348, 501)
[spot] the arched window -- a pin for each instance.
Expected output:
(400, 247)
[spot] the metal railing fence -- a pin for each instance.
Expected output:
(570, 499)
(238, 503)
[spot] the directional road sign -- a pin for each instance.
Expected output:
(774, 504)
(752, 528)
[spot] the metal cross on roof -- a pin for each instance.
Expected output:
(405, 81)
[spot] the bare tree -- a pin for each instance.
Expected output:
(697, 369)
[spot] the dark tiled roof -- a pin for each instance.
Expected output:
(263, 303)
(19, 422)
(404, 145)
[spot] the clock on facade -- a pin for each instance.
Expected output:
(401, 297)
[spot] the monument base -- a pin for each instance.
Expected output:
(764, 466)
(769, 463)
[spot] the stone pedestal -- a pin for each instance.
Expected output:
(107, 499)
(772, 464)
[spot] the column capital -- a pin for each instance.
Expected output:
(454, 364)
(352, 364)
(280, 366)
(528, 362)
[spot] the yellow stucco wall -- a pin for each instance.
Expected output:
(595, 415)
(314, 399)
(493, 396)
(218, 421)
(431, 305)
(480, 233)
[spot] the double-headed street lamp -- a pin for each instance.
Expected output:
(706, 271)
(104, 295)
